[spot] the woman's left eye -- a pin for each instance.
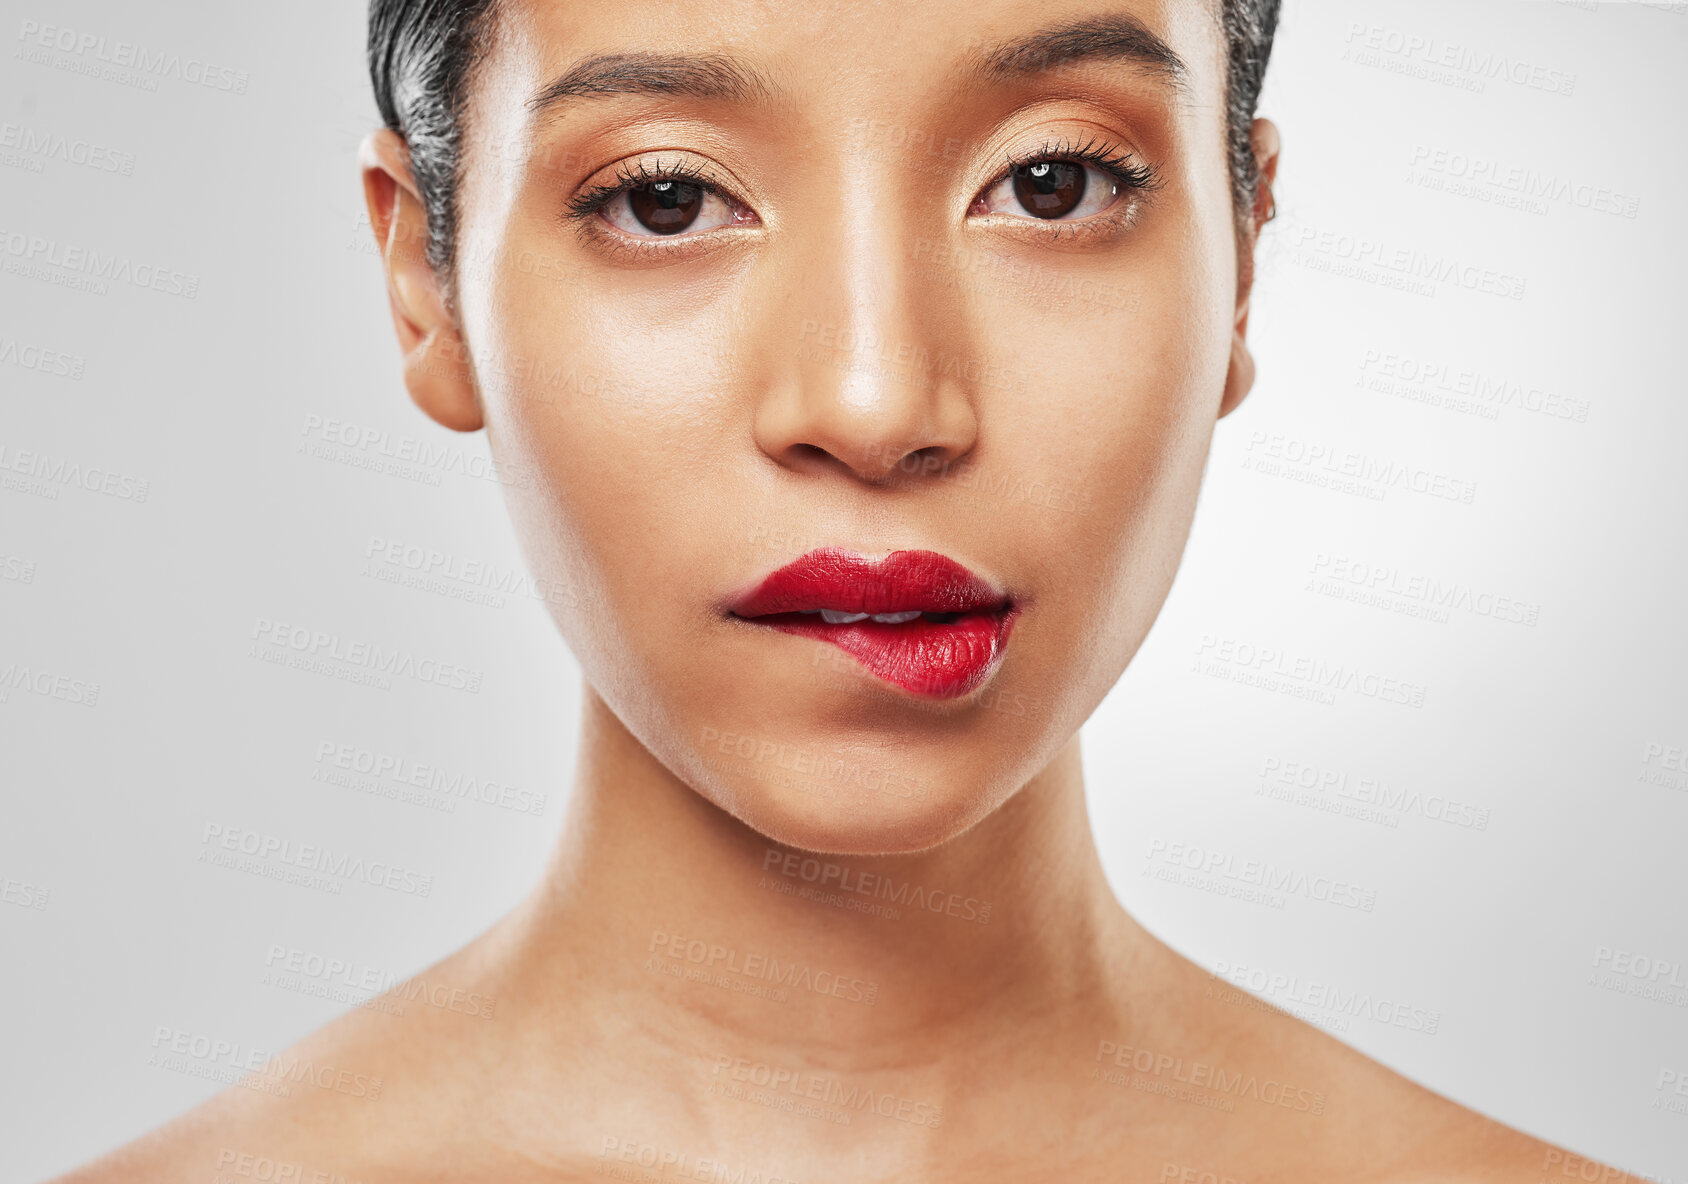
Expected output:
(1051, 190)
(666, 208)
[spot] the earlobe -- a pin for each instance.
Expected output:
(437, 369)
(437, 374)
(1239, 377)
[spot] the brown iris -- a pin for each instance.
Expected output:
(665, 207)
(1049, 188)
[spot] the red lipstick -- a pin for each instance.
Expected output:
(915, 618)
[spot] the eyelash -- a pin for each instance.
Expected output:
(585, 205)
(1135, 178)
(1133, 175)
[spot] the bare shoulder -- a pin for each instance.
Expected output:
(1470, 1148)
(297, 1115)
(1358, 1119)
(371, 1097)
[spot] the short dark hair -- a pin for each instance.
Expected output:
(1249, 26)
(422, 52)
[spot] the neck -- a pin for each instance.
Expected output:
(729, 945)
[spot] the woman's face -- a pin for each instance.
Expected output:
(743, 281)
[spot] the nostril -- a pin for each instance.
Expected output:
(933, 461)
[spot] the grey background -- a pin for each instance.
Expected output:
(1522, 937)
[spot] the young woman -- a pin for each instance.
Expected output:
(853, 367)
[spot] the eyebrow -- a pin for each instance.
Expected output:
(709, 76)
(1118, 37)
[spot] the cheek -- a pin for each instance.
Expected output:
(1119, 407)
(621, 415)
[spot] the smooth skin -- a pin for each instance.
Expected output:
(870, 358)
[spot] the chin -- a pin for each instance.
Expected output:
(871, 770)
(857, 821)
(800, 791)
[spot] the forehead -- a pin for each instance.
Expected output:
(857, 54)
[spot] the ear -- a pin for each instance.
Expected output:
(436, 366)
(1239, 380)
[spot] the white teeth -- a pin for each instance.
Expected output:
(833, 617)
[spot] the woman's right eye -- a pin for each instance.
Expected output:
(1052, 190)
(669, 207)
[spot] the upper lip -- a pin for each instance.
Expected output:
(903, 581)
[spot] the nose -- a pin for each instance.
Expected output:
(881, 384)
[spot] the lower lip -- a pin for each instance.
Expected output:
(940, 660)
